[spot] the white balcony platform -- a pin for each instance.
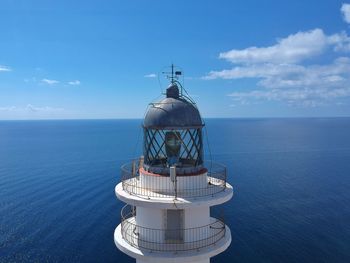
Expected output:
(146, 255)
(168, 201)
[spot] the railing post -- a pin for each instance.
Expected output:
(173, 178)
(141, 162)
(225, 179)
(133, 171)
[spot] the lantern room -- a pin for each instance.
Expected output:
(173, 134)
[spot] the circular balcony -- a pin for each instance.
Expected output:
(169, 240)
(136, 181)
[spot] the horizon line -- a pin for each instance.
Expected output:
(101, 119)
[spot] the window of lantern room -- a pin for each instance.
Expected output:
(173, 147)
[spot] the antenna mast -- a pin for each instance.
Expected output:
(174, 75)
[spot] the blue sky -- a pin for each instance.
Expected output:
(96, 59)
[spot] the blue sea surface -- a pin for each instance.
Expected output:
(291, 179)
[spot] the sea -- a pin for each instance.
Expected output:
(291, 180)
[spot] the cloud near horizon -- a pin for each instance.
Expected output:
(29, 108)
(283, 71)
(32, 108)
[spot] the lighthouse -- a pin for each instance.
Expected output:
(171, 189)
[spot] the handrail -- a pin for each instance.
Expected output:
(216, 182)
(169, 240)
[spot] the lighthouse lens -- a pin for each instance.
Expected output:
(172, 147)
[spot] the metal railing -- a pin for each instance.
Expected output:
(199, 186)
(169, 240)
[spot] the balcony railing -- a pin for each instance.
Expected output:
(162, 187)
(169, 240)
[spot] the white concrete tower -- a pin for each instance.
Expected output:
(170, 189)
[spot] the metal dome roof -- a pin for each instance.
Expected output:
(174, 113)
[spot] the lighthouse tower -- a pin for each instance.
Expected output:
(169, 191)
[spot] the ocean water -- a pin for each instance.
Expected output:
(291, 179)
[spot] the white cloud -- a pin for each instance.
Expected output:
(254, 71)
(292, 49)
(336, 74)
(33, 108)
(297, 85)
(345, 9)
(281, 76)
(151, 75)
(50, 81)
(340, 41)
(289, 75)
(5, 68)
(74, 82)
